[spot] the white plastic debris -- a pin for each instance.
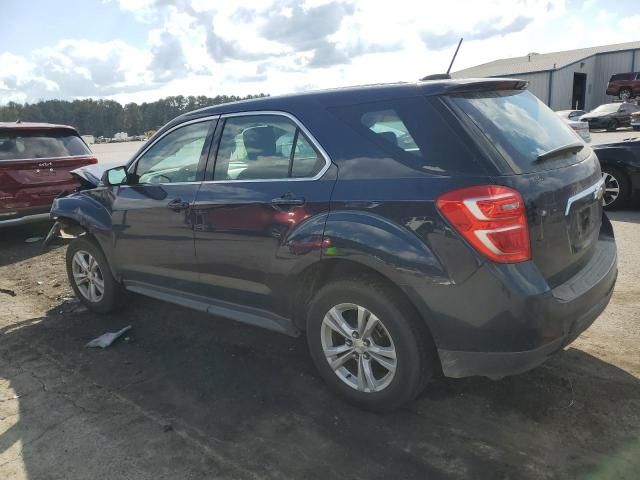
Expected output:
(33, 239)
(105, 340)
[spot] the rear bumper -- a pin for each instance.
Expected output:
(501, 364)
(525, 328)
(35, 218)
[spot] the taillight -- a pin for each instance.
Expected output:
(492, 219)
(92, 160)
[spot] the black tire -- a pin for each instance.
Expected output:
(113, 295)
(624, 194)
(625, 94)
(635, 129)
(416, 356)
(612, 126)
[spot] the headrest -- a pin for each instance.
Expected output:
(259, 141)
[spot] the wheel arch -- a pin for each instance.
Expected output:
(81, 215)
(306, 283)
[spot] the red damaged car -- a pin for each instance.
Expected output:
(35, 161)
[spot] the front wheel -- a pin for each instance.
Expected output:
(368, 346)
(612, 126)
(90, 277)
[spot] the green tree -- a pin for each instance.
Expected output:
(133, 119)
(106, 117)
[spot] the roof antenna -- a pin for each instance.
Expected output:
(454, 57)
(444, 76)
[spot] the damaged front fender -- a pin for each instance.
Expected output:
(79, 213)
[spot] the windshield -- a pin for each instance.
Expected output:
(607, 108)
(520, 126)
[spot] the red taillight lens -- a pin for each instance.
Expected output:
(92, 160)
(492, 219)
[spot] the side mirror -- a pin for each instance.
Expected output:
(115, 176)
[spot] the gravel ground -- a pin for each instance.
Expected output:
(114, 154)
(194, 396)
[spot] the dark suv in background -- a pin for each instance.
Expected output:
(406, 228)
(624, 85)
(35, 164)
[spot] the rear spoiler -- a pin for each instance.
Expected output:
(490, 86)
(470, 85)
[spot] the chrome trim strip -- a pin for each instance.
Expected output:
(175, 127)
(298, 123)
(592, 190)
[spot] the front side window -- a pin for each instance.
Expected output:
(175, 157)
(265, 147)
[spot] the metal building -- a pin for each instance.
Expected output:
(565, 80)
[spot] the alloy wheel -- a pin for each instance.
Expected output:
(87, 276)
(625, 94)
(611, 188)
(358, 347)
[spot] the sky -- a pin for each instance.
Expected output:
(142, 50)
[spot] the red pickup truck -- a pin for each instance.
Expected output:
(625, 86)
(35, 161)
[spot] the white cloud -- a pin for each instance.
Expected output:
(276, 46)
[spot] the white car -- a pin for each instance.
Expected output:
(581, 128)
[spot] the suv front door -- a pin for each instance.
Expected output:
(260, 216)
(152, 214)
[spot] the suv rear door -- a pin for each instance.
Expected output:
(35, 166)
(259, 216)
(562, 192)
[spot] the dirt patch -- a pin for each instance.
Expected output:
(195, 396)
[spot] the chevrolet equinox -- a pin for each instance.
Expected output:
(450, 226)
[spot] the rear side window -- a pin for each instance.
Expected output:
(414, 132)
(520, 127)
(265, 147)
(23, 145)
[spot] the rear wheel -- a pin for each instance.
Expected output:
(616, 188)
(90, 277)
(624, 94)
(368, 346)
(612, 126)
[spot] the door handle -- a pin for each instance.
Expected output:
(287, 200)
(177, 204)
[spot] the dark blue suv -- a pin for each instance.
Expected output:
(406, 228)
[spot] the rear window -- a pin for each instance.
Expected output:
(415, 133)
(520, 127)
(28, 144)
